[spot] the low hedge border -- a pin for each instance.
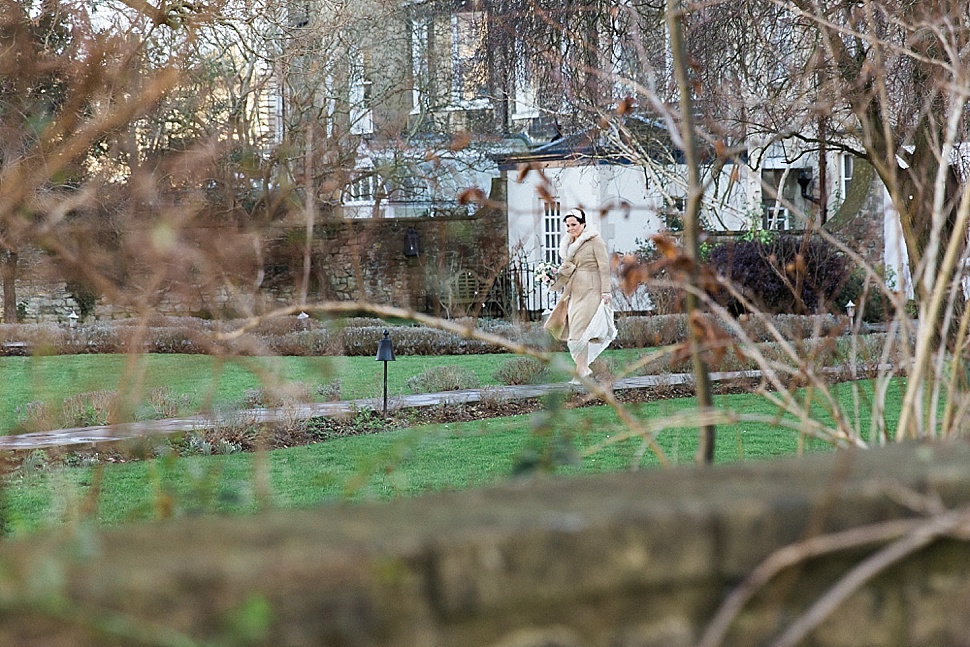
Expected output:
(360, 335)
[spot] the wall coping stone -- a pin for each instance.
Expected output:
(431, 570)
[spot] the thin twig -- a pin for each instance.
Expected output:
(789, 556)
(918, 538)
(916, 533)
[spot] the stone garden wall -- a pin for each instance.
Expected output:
(42, 294)
(625, 560)
(352, 259)
(370, 260)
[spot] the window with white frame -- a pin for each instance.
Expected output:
(551, 231)
(363, 189)
(271, 109)
(469, 79)
(846, 170)
(448, 58)
(776, 218)
(421, 38)
(361, 112)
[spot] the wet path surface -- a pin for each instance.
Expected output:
(88, 436)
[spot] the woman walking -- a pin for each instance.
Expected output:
(584, 278)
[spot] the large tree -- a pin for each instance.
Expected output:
(883, 80)
(35, 107)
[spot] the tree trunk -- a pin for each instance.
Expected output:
(707, 432)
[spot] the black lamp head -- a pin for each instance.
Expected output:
(385, 350)
(412, 244)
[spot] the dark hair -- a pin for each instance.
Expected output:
(576, 213)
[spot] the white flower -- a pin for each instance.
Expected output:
(546, 272)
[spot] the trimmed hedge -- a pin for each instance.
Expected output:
(360, 336)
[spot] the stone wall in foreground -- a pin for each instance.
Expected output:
(626, 560)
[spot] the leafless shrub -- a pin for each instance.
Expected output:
(666, 299)
(330, 392)
(232, 425)
(446, 378)
(664, 330)
(103, 337)
(302, 343)
(89, 409)
(155, 320)
(171, 340)
(281, 395)
(36, 416)
(657, 330)
(605, 369)
(162, 402)
(522, 370)
(81, 410)
(193, 335)
(493, 398)
(777, 356)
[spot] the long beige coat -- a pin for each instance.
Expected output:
(584, 276)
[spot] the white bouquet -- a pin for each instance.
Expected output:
(546, 272)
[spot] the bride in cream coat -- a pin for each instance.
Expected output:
(584, 278)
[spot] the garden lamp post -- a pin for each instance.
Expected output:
(385, 353)
(72, 320)
(302, 317)
(412, 244)
(850, 310)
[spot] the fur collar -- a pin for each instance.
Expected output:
(567, 250)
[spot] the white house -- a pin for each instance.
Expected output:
(626, 201)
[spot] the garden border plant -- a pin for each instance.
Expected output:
(283, 334)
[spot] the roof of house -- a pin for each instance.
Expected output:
(641, 137)
(600, 146)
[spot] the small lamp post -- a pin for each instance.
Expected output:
(302, 317)
(850, 310)
(72, 320)
(385, 353)
(412, 244)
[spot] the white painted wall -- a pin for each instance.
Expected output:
(894, 254)
(624, 203)
(602, 190)
(599, 190)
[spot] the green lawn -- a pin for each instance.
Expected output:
(209, 380)
(386, 465)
